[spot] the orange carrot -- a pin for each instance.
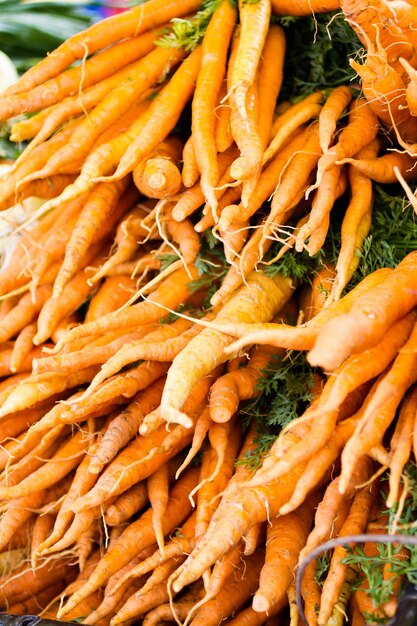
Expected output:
(22, 347)
(17, 514)
(338, 100)
(254, 25)
(209, 82)
(222, 132)
(125, 425)
(24, 312)
(304, 7)
(355, 523)
(190, 171)
(126, 505)
(158, 492)
(41, 529)
(100, 35)
(135, 538)
(381, 169)
(365, 324)
(285, 537)
(171, 293)
(159, 175)
(112, 294)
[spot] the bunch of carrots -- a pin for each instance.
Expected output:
(151, 307)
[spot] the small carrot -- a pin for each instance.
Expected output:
(338, 100)
(17, 514)
(159, 175)
(158, 492)
(200, 431)
(126, 505)
(41, 529)
(112, 294)
(381, 169)
(190, 171)
(24, 312)
(135, 538)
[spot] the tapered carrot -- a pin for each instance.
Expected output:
(22, 347)
(301, 337)
(158, 491)
(163, 344)
(267, 184)
(24, 312)
(381, 169)
(70, 83)
(25, 365)
(32, 606)
(46, 188)
(131, 23)
(401, 445)
(126, 505)
(337, 101)
(366, 323)
(171, 293)
(270, 78)
(112, 294)
(164, 612)
(17, 423)
(129, 234)
(136, 537)
(254, 20)
(190, 172)
(17, 514)
(291, 120)
(355, 523)
(209, 82)
(41, 529)
(177, 386)
(201, 428)
(361, 129)
(125, 425)
(281, 555)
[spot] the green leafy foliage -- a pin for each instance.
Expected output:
(317, 57)
(286, 391)
(188, 33)
(29, 30)
(211, 266)
(323, 564)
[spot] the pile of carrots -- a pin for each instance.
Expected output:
(143, 305)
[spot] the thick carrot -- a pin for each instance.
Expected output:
(381, 169)
(100, 35)
(355, 523)
(17, 514)
(209, 82)
(46, 188)
(6, 357)
(24, 312)
(338, 100)
(135, 538)
(112, 294)
(262, 295)
(254, 26)
(171, 293)
(159, 175)
(33, 605)
(301, 337)
(249, 617)
(286, 535)
(126, 425)
(41, 529)
(368, 320)
(222, 133)
(190, 172)
(304, 7)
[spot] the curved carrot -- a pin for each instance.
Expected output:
(100, 35)
(22, 347)
(24, 312)
(71, 82)
(126, 505)
(112, 294)
(338, 100)
(135, 538)
(269, 297)
(381, 169)
(209, 82)
(158, 492)
(368, 320)
(184, 235)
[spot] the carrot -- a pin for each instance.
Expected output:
(135, 538)
(338, 100)
(159, 175)
(270, 78)
(287, 123)
(171, 293)
(301, 337)
(32, 606)
(22, 347)
(311, 593)
(285, 537)
(164, 612)
(249, 617)
(126, 505)
(17, 423)
(158, 491)
(100, 35)
(270, 297)
(24, 312)
(190, 172)
(254, 26)
(313, 297)
(112, 294)
(41, 529)
(366, 323)
(129, 234)
(200, 431)
(71, 82)
(125, 425)
(355, 523)
(381, 169)
(46, 188)
(17, 514)
(304, 7)
(6, 357)
(266, 186)
(184, 235)
(222, 132)
(209, 82)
